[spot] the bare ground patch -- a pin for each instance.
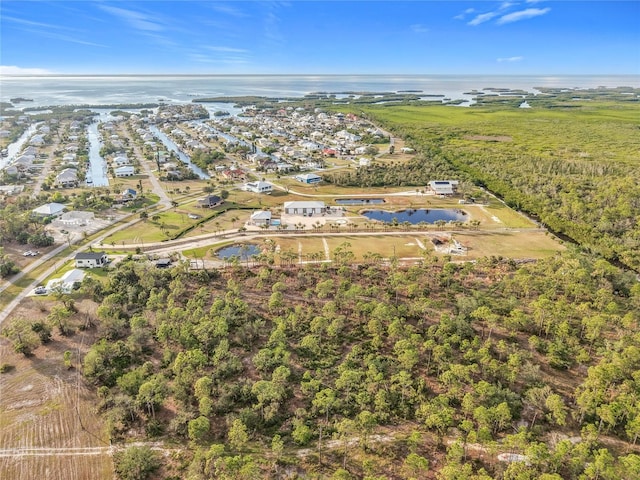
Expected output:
(489, 138)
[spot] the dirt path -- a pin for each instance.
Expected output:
(327, 254)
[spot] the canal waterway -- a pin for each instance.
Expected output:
(97, 172)
(181, 155)
(13, 149)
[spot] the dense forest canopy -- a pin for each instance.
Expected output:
(577, 169)
(384, 371)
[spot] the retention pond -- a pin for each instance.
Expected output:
(415, 216)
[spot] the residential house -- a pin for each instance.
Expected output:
(443, 187)
(258, 187)
(91, 259)
(329, 152)
(23, 162)
(307, 208)
(129, 194)
(261, 217)
(30, 150)
(125, 171)
(283, 166)
(234, 174)
(121, 161)
(76, 217)
(210, 201)
(163, 263)
(49, 210)
(309, 178)
(11, 170)
(37, 140)
(67, 283)
(67, 178)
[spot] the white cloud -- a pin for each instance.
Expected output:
(227, 10)
(14, 70)
(509, 59)
(461, 16)
(483, 17)
(419, 28)
(522, 15)
(227, 49)
(137, 20)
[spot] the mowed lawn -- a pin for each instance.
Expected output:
(510, 244)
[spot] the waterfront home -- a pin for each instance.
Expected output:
(67, 178)
(30, 150)
(37, 140)
(12, 170)
(234, 174)
(23, 162)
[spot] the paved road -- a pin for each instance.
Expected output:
(155, 183)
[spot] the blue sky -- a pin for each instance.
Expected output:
(326, 37)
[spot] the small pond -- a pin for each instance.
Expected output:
(359, 201)
(241, 251)
(415, 216)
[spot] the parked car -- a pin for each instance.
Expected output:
(40, 290)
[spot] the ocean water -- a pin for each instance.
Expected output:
(105, 90)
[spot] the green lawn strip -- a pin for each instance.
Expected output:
(508, 217)
(508, 244)
(401, 246)
(310, 245)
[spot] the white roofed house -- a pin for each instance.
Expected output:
(258, 187)
(443, 187)
(309, 178)
(67, 282)
(30, 150)
(124, 171)
(49, 210)
(67, 178)
(91, 259)
(23, 162)
(37, 140)
(121, 161)
(307, 208)
(261, 217)
(12, 170)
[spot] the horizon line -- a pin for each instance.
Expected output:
(22, 75)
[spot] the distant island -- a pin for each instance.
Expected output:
(21, 99)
